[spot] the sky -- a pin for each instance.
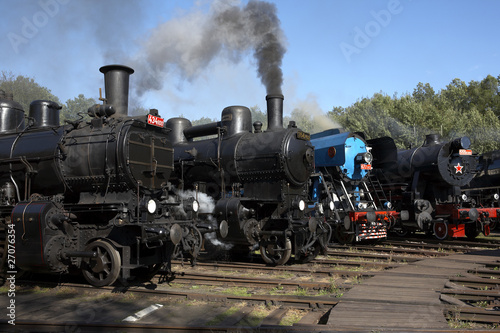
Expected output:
(337, 51)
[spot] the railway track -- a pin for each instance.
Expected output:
(453, 244)
(474, 296)
(41, 326)
(313, 289)
(191, 278)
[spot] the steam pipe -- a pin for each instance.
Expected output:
(202, 130)
(274, 112)
(116, 86)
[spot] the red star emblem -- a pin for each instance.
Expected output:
(458, 168)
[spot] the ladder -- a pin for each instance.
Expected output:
(374, 187)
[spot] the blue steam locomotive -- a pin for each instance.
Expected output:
(343, 182)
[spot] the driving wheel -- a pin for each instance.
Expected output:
(441, 230)
(104, 269)
(275, 251)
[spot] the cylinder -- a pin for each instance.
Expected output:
(274, 112)
(116, 86)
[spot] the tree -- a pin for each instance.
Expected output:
(372, 117)
(302, 119)
(203, 120)
(456, 95)
(258, 115)
(76, 108)
(24, 89)
(423, 93)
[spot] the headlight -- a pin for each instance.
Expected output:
(368, 158)
(464, 197)
(321, 209)
(196, 206)
(388, 205)
(302, 205)
(361, 206)
(151, 206)
(496, 196)
(364, 158)
(331, 205)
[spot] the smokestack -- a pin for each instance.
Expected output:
(116, 85)
(274, 112)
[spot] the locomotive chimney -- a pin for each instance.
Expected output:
(431, 139)
(116, 86)
(274, 112)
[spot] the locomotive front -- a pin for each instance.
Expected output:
(259, 181)
(428, 180)
(95, 194)
(484, 190)
(343, 183)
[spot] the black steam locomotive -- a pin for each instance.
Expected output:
(426, 182)
(258, 179)
(91, 195)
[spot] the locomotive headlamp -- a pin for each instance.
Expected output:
(388, 205)
(192, 204)
(368, 158)
(464, 197)
(331, 205)
(364, 158)
(151, 206)
(361, 206)
(496, 196)
(196, 206)
(321, 210)
(302, 205)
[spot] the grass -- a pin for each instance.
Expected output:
(236, 291)
(455, 322)
(481, 304)
(292, 316)
(300, 292)
(277, 290)
(333, 290)
(4, 289)
(355, 279)
(256, 316)
(220, 317)
(37, 290)
(66, 292)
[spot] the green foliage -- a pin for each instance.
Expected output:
(203, 121)
(76, 108)
(24, 89)
(258, 115)
(460, 109)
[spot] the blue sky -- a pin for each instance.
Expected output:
(338, 51)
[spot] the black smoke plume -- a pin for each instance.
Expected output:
(188, 44)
